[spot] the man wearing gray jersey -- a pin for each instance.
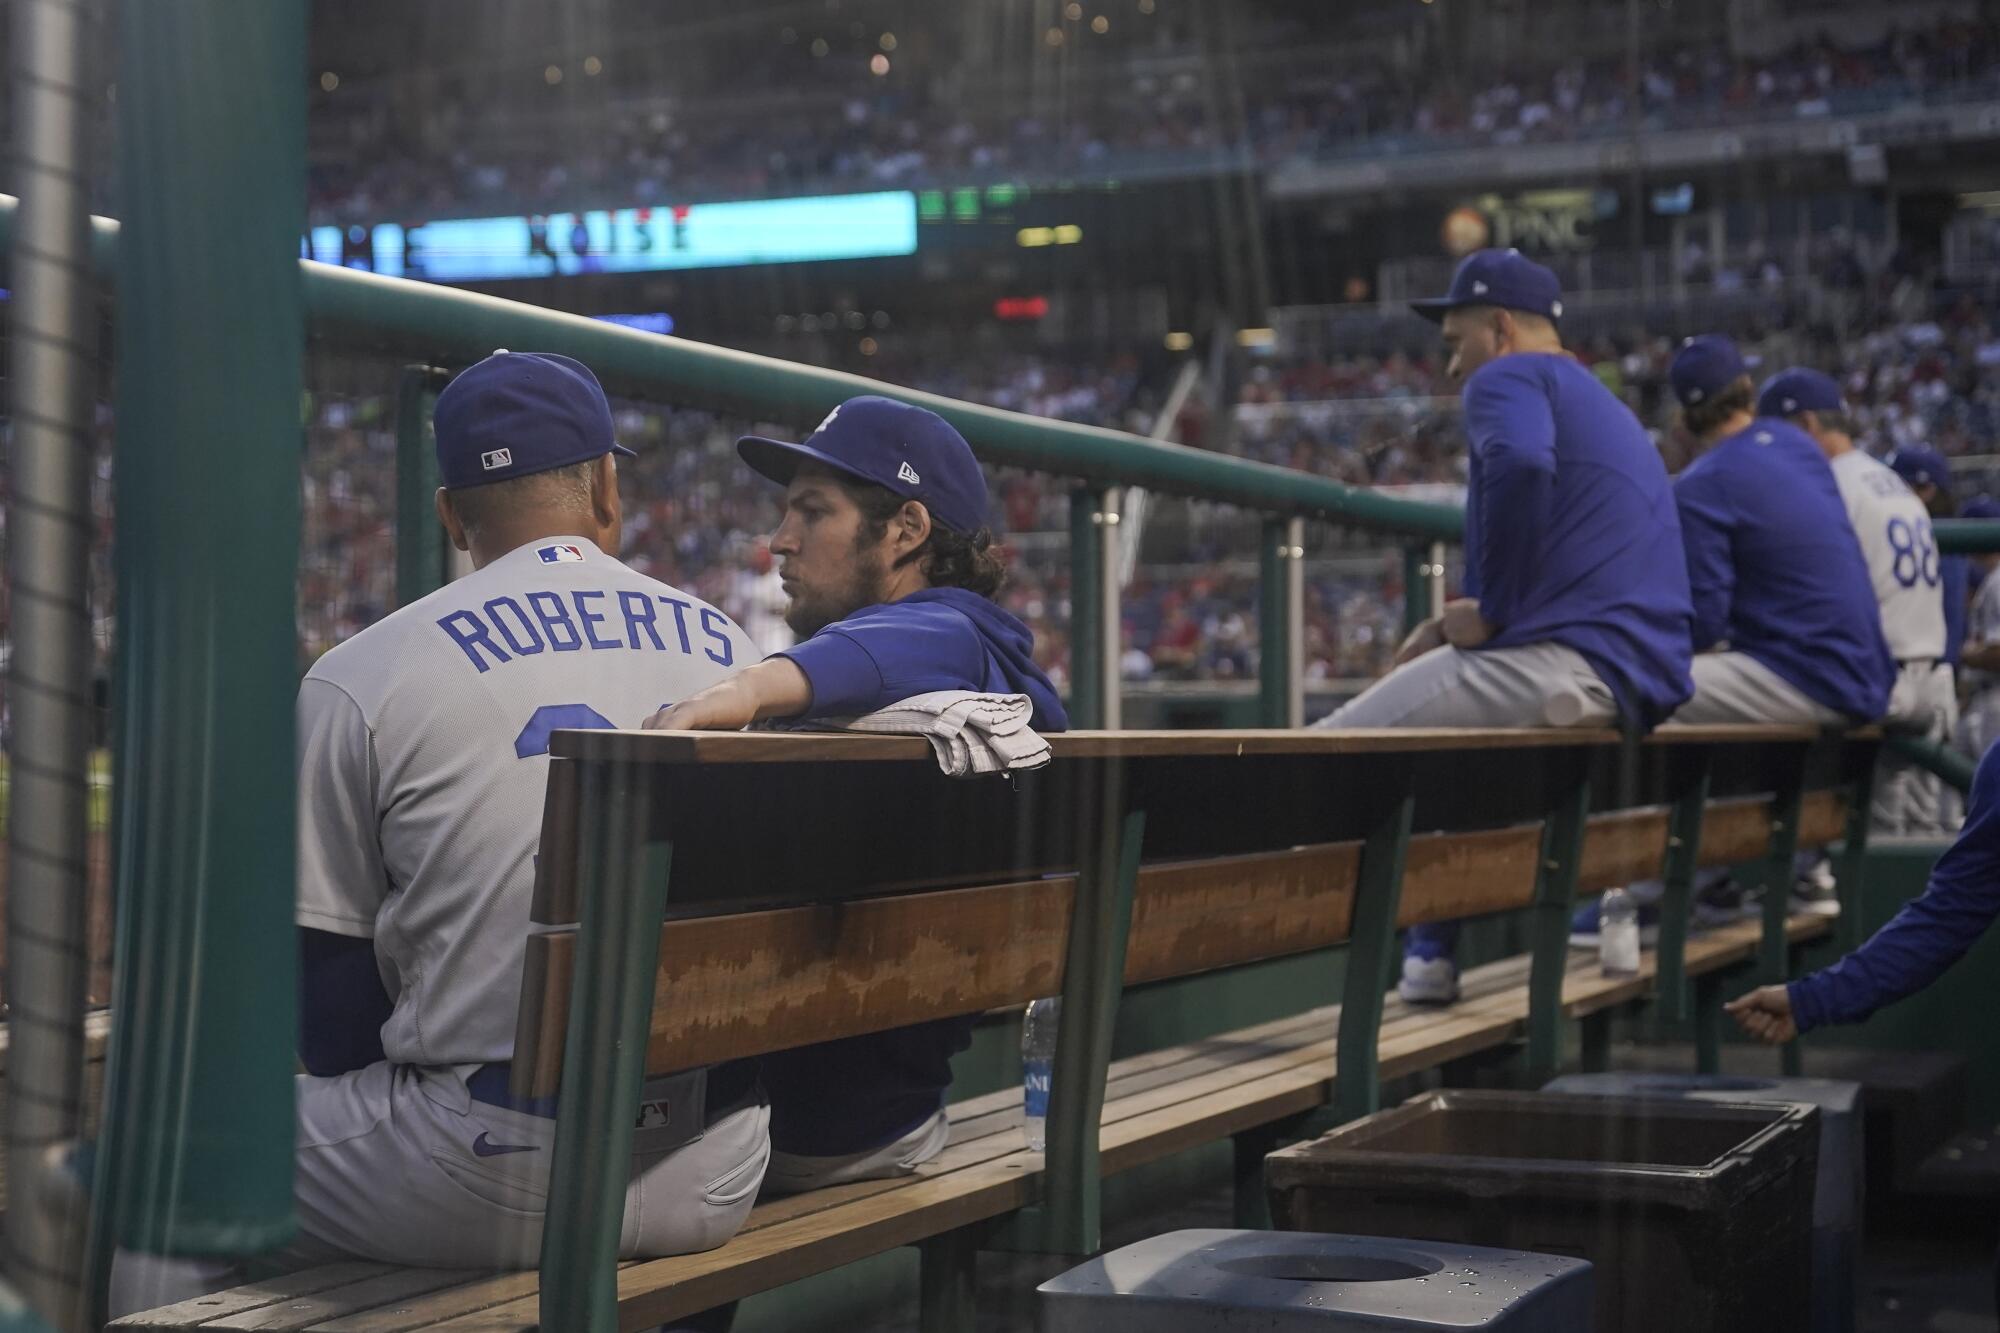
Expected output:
(1894, 530)
(423, 758)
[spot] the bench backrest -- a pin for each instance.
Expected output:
(825, 886)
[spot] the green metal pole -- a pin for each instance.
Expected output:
(624, 885)
(211, 138)
(1683, 858)
(1093, 979)
(423, 557)
(1088, 551)
(1854, 854)
(1371, 958)
(1274, 625)
(1775, 955)
(1549, 921)
(1416, 586)
(1280, 621)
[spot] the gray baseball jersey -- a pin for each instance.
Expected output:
(1894, 530)
(1982, 625)
(423, 759)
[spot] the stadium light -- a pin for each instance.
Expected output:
(1256, 337)
(1179, 342)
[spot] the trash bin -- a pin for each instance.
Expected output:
(1278, 1282)
(1696, 1215)
(1838, 1188)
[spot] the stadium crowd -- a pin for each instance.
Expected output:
(385, 161)
(1365, 420)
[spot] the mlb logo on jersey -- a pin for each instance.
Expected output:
(496, 458)
(563, 554)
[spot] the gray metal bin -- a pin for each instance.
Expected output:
(1307, 1282)
(1837, 1183)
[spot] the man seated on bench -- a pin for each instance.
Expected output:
(1785, 625)
(1576, 608)
(887, 558)
(423, 745)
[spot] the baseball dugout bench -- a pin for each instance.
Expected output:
(820, 886)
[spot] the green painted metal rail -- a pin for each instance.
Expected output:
(414, 319)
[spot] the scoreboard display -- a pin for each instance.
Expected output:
(627, 240)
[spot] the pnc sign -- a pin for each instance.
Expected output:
(1545, 221)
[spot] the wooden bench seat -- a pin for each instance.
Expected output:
(1133, 858)
(1156, 1104)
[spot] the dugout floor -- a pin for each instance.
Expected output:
(1918, 1276)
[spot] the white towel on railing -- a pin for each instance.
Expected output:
(969, 732)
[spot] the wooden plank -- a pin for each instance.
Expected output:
(1822, 817)
(1675, 733)
(738, 747)
(733, 986)
(1201, 915)
(390, 1288)
(541, 1025)
(739, 985)
(199, 1310)
(447, 1303)
(555, 897)
(1622, 847)
(1735, 829)
(1447, 876)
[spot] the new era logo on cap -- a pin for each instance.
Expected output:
(880, 440)
(1504, 278)
(564, 553)
(496, 458)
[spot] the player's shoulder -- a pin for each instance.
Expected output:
(1513, 372)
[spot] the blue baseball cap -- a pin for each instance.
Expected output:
(518, 413)
(1790, 392)
(1921, 467)
(1980, 506)
(1704, 367)
(907, 450)
(1504, 278)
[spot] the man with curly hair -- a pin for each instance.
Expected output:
(889, 565)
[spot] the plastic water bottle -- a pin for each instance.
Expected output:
(1618, 934)
(1038, 1061)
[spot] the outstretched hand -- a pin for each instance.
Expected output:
(1766, 1014)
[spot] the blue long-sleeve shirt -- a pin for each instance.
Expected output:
(1774, 568)
(858, 1093)
(1571, 535)
(1933, 930)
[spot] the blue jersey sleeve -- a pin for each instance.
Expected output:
(1511, 424)
(1933, 930)
(342, 1004)
(1706, 523)
(888, 654)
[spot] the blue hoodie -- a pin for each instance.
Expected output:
(936, 639)
(1776, 570)
(1931, 932)
(1571, 535)
(863, 1092)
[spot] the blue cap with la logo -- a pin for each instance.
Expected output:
(1504, 278)
(907, 450)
